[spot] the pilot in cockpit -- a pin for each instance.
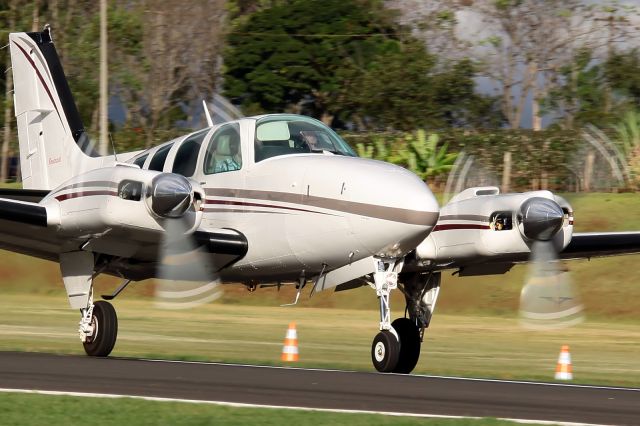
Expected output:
(316, 141)
(311, 140)
(227, 156)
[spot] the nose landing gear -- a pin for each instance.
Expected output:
(396, 348)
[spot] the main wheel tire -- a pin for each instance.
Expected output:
(409, 335)
(384, 351)
(105, 332)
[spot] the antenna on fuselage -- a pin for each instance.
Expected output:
(113, 146)
(206, 114)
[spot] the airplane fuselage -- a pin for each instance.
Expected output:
(301, 211)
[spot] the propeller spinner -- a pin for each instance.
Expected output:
(541, 218)
(171, 195)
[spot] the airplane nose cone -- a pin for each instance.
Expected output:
(401, 210)
(171, 195)
(541, 218)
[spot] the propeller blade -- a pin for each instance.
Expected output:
(186, 280)
(548, 299)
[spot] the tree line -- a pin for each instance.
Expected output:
(359, 65)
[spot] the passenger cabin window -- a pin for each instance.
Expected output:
(293, 134)
(140, 160)
(223, 153)
(501, 221)
(187, 155)
(157, 162)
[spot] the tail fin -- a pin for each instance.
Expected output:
(53, 143)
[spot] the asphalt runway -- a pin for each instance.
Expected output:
(320, 388)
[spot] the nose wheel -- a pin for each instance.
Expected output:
(385, 351)
(397, 350)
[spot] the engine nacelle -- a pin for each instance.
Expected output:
(125, 203)
(480, 224)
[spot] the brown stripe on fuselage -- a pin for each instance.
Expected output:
(413, 217)
(99, 183)
(215, 210)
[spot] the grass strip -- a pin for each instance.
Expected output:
(35, 409)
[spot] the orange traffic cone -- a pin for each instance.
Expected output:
(564, 370)
(290, 349)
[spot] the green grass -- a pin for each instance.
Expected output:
(605, 212)
(464, 345)
(32, 409)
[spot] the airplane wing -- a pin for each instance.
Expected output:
(599, 244)
(24, 229)
(23, 225)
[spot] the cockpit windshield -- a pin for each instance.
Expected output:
(295, 134)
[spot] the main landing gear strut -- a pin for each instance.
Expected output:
(396, 348)
(98, 327)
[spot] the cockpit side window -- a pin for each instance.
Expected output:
(187, 155)
(501, 221)
(283, 135)
(157, 162)
(140, 160)
(224, 153)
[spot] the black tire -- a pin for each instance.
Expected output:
(384, 351)
(409, 335)
(104, 337)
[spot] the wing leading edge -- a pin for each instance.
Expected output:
(599, 244)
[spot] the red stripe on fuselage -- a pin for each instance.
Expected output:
(243, 203)
(84, 194)
(452, 226)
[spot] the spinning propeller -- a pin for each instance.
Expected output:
(548, 298)
(185, 278)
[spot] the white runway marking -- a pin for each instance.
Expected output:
(244, 405)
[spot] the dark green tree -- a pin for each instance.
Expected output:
(291, 56)
(346, 61)
(579, 92)
(405, 88)
(622, 70)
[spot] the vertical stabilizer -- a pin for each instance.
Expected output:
(53, 143)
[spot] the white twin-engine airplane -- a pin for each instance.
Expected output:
(271, 199)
